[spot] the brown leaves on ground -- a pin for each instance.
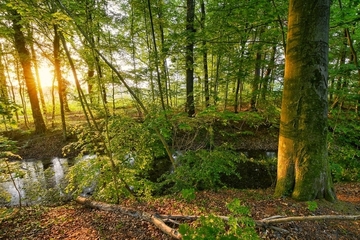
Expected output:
(74, 221)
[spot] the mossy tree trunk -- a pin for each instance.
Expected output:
(303, 169)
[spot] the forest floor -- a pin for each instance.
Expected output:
(74, 221)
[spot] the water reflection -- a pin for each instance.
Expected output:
(38, 178)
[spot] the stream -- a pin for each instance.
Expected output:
(40, 181)
(43, 181)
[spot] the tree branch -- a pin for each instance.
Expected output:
(153, 218)
(159, 220)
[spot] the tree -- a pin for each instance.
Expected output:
(189, 57)
(303, 169)
(3, 85)
(25, 60)
(58, 75)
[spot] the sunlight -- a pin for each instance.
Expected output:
(46, 76)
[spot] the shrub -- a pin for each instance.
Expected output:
(239, 225)
(202, 169)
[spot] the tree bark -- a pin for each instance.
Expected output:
(189, 57)
(267, 75)
(205, 56)
(303, 168)
(38, 82)
(4, 95)
(255, 83)
(57, 64)
(25, 60)
(156, 58)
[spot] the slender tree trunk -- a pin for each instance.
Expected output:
(303, 168)
(267, 76)
(217, 76)
(205, 56)
(59, 78)
(340, 82)
(133, 56)
(156, 58)
(22, 97)
(354, 59)
(53, 103)
(239, 76)
(3, 85)
(189, 57)
(255, 83)
(164, 67)
(38, 82)
(25, 60)
(81, 94)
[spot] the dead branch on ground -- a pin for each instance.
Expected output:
(159, 220)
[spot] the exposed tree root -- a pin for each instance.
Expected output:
(159, 220)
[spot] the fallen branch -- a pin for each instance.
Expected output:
(133, 213)
(273, 219)
(281, 219)
(159, 220)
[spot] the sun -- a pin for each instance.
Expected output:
(46, 75)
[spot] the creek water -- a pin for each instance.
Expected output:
(39, 181)
(43, 181)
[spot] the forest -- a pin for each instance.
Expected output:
(192, 110)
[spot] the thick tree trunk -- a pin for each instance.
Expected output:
(25, 60)
(303, 169)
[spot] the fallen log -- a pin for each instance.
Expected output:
(159, 220)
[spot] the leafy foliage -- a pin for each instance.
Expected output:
(8, 170)
(202, 169)
(188, 194)
(7, 111)
(238, 226)
(312, 205)
(125, 171)
(344, 148)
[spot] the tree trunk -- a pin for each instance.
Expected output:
(303, 168)
(255, 83)
(266, 79)
(21, 94)
(59, 78)
(38, 82)
(189, 57)
(4, 96)
(25, 60)
(156, 58)
(205, 56)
